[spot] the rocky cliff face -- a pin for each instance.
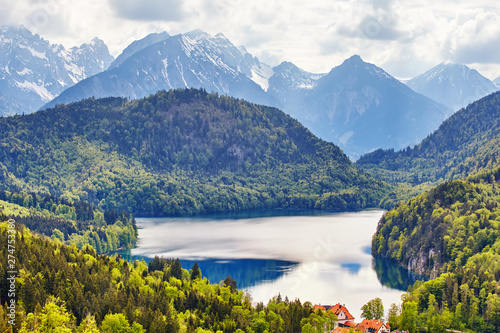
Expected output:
(426, 264)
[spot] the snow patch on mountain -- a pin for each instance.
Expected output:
(261, 74)
(40, 90)
(33, 71)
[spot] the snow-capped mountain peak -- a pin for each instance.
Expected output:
(453, 85)
(33, 71)
(194, 59)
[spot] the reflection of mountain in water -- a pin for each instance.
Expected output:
(246, 272)
(391, 275)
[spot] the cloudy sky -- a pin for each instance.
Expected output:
(404, 37)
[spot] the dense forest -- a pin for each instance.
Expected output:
(179, 152)
(77, 173)
(77, 290)
(78, 222)
(464, 144)
(452, 234)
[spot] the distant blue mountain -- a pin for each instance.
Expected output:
(357, 105)
(361, 108)
(453, 85)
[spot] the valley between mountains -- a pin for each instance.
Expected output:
(191, 124)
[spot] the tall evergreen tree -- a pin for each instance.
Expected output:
(195, 272)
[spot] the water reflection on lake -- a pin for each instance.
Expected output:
(315, 256)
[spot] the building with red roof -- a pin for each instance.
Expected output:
(375, 326)
(339, 310)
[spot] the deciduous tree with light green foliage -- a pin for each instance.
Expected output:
(393, 316)
(88, 325)
(118, 323)
(374, 309)
(409, 317)
(53, 317)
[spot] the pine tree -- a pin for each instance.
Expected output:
(195, 272)
(176, 269)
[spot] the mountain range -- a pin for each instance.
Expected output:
(360, 107)
(33, 71)
(357, 105)
(163, 62)
(453, 85)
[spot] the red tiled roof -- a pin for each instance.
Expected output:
(319, 307)
(337, 308)
(375, 324)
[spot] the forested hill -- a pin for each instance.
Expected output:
(179, 152)
(465, 143)
(452, 234)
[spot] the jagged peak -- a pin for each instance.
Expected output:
(220, 35)
(354, 59)
(286, 64)
(198, 34)
(96, 41)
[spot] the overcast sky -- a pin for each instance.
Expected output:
(405, 38)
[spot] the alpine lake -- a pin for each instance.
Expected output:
(316, 256)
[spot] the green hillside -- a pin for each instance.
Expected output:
(450, 231)
(452, 234)
(179, 152)
(464, 144)
(78, 222)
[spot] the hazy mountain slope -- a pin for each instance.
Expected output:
(195, 59)
(180, 152)
(138, 45)
(453, 85)
(33, 71)
(289, 85)
(465, 143)
(356, 106)
(361, 108)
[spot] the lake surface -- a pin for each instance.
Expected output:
(315, 256)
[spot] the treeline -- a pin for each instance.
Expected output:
(80, 290)
(76, 222)
(452, 234)
(179, 152)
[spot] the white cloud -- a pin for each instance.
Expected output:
(477, 39)
(149, 10)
